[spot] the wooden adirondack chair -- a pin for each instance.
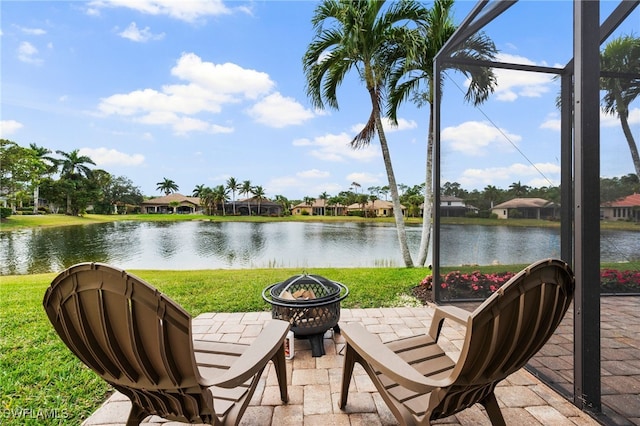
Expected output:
(140, 341)
(420, 383)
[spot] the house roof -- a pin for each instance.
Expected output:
(524, 203)
(378, 204)
(254, 200)
(175, 197)
(449, 198)
(318, 202)
(632, 200)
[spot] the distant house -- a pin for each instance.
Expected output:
(454, 207)
(319, 207)
(172, 203)
(255, 207)
(627, 208)
(379, 208)
(526, 208)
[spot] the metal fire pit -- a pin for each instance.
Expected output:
(309, 318)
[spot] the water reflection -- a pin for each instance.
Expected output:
(211, 245)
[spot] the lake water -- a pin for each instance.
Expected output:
(241, 245)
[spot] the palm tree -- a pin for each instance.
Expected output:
(355, 186)
(359, 35)
(259, 194)
(519, 189)
(221, 195)
(167, 186)
(373, 199)
(233, 185)
(49, 164)
(622, 55)
(74, 167)
(247, 189)
(198, 190)
(207, 200)
(324, 197)
(413, 78)
(284, 203)
(491, 193)
(309, 202)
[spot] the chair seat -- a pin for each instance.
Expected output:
(423, 354)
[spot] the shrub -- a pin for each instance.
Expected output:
(476, 285)
(5, 212)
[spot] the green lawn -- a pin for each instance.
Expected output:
(39, 377)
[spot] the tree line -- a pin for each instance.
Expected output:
(66, 181)
(70, 185)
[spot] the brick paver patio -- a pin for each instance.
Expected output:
(314, 383)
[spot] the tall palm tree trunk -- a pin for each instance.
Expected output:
(624, 121)
(428, 196)
(393, 187)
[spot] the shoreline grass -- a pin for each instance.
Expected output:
(18, 222)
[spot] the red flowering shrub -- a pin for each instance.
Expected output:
(614, 281)
(476, 285)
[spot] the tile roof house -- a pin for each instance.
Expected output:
(379, 208)
(526, 208)
(627, 208)
(172, 203)
(319, 207)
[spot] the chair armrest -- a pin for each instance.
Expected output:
(263, 349)
(383, 359)
(454, 313)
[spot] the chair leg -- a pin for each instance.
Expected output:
(490, 403)
(347, 372)
(136, 415)
(281, 373)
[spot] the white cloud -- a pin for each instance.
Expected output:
(363, 178)
(188, 11)
(501, 176)
(182, 125)
(28, 53)
(9, 127)
(551, 124)
(389, 127)
(606, 120)
(277, 111)
(514, 84)
(331, 147)
(207, 89)
(313, 174)
(133, 33)
(477, 138)
(105, 156)
(612, 120)
(225, 78)
(32, 31)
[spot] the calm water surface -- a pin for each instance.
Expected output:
(240, 245)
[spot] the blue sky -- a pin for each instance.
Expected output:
(200, 91)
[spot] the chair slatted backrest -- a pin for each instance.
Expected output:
(132, 335)
(509, 328)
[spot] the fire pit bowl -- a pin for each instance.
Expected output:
(311, 303)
